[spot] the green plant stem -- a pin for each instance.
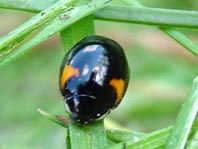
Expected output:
(136, 139)
(77, 31)
(81, 137)
(118, 136)
(21, 32)
(26, 5)
(193, 137)
(79, 11)
(186, 117)
(138, 14)
(153, 140)
(51, 117)
(182, 40)
(152, 16)
(113, 135)
(177, 36)
(87, 137)
(193, 144)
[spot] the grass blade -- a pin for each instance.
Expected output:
(138, 14)
(177, 36)
(149, 141)
(181, 130)
(81, 137)
(113, 135)
(193, 137)
(13, 38)
(121, 136)
(152, 16)
(80, 10)
(182, 40)
(77, 31)
(194, 142)
(30, 5)
(52, 118)
(87, 137)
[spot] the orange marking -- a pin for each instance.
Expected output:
(67, 73)
(118, 84)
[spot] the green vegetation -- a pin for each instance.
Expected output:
(161, 103)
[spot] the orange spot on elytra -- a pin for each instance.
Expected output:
(118, 84)
(67, 73)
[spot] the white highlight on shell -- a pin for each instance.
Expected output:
(101, 69)
(100, 117)
(85, 70)
(90, 48)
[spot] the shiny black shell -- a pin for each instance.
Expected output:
(94, 76)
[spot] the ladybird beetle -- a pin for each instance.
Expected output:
(93, 78)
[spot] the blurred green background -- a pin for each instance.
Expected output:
(161, 75)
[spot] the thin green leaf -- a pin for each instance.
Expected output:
(79, 11)
(10, 40)
(13, 147)
(113, 135)
(132, 2)
(152, 140)
(136, 139)
(193, 144)
(186, 117)
(88, 136)
(193, 137)
(52, 118)
(149, 141)
(121, 136)
(152, 16)
(177, 36)
(138, 14)
(182, 40)
(75, 32)
(81, 137)
(27, 5)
